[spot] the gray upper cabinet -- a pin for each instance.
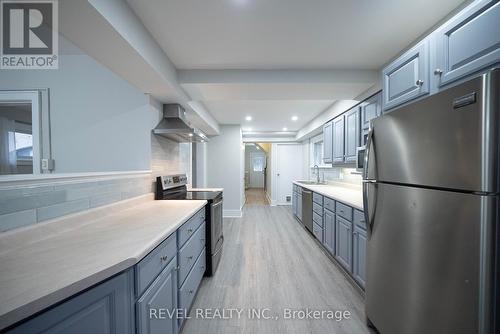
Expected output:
(468, 42)
(352, 134)
(329, 230)
(370, 109)
(106, 308)
(162, 294)
(407, 77)
(343, 242)
(338, 140)
(359, 255)
(327, 143)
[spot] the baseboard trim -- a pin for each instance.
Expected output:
(232, 214)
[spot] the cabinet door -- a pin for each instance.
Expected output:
(343, 242)
(338, 139)
(370, 109)
(299, 206)
(359, 255)
(161, 295)
(469, 42)
(104, 309)
(351, 134)
(327, 143)
(329, 230)
(407, 77)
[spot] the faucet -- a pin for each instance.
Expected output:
(316, 168)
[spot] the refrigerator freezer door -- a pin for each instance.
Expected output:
(424, 253)
(448, 140)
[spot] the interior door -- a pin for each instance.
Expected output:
(257, 169)
(289, 169)
(423, 259)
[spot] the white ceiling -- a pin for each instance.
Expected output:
(271, 34)
(233, 56)
(269, 115)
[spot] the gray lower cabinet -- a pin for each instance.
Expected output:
(161, 295)
(294, 203)
(343, 242)
(371, 108)
(359, 255)
(407, 77)
(351, 134)
(329, 230)
(468, 42)
(327, 142)
(338, 140)
(104, 309)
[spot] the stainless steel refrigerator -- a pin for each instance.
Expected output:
(431, 187)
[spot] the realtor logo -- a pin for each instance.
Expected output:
(29, 34)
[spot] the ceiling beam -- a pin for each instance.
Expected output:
(276, 76)
(110, 32)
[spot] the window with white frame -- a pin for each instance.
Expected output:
(316, 152)
(19, 132)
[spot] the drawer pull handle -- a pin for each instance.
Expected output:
(362, 221)
(190, 257)
(191, 291)
(164, 258)
(190, 230)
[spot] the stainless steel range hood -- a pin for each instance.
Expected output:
(175, 126)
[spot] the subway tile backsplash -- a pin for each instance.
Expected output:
(31, 204)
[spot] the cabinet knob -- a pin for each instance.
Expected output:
(190, 230)
(438, 71)
(164, 258)
(191, 291)
(420, 82)
(190, 257)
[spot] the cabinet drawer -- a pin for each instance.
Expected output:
(190, 286)
(344, 211)
(318, 232)
(329, 204)
(469, 42)
(151, 266)
(189, 227)
(190, 251)
(407, 77)
(318, 219)
(359, 219)
(318, 209)
(317, 198)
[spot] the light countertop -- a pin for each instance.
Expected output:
(45, 263)
(351, 195)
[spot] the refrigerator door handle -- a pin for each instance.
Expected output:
(366, 207)
(369, 141)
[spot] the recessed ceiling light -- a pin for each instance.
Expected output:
(285, 129)
(190, 135)
(258, 147)
(294, 118)
(248, 118)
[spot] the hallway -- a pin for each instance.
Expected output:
(256, 196)
(270, 262)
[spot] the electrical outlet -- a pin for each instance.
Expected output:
(48, 164)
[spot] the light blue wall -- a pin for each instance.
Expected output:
(99, 122)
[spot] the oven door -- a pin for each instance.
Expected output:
(216, 230)
(360, 158)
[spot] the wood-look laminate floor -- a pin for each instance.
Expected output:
(270, 261)
(256, 196)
